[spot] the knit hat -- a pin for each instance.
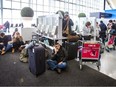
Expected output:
(66, 13)
(59, 42)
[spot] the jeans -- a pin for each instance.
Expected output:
(53, 64)
(9, 46)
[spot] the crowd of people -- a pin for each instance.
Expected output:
(103, 32)
(13, 44)
(58, 60)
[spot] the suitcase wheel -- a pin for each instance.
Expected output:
(80, 67)
(80, 64)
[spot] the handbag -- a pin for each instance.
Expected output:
(66, 30)
(72, 38)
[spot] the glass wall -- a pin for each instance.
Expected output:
(12, 8)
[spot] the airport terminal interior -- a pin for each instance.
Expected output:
(57, 42)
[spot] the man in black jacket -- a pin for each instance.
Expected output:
(58, 60)
(102, 32)
(67, 22)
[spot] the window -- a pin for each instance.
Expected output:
(70, 6)
(16, 0)
(24, 5)
(6, 4)
(34, 1)
(61, 4)
(70, 11)
(46, 8)
(0, 21)
(39, 8)
(56, 9)
(35, 15)
(46, 2)
(74, 1)
(56, 3)
(6, 13)
(66, 5)
(6, 19)
(46, 13)
(26, 1)
(52, 3)
(16, 14)
(16, 5)
(40, 2)
(74, 7)
(15, 21)
(52, 9)
(39, 14)
(34, 7)
(70, 0)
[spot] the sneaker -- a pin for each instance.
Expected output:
(58, 71)
(13, 50)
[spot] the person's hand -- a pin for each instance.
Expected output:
(60, 63)
(1, 43)
(56, 50)
(10, 42)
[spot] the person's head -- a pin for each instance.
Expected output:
(97, 24)
(88, 24)
(110, 21)
(16, 29)
(101, 21)
(57, 45)
(17, 33)
(2, 35)
(66, 15)
(109, 25)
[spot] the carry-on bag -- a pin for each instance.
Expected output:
(72, 48)
(37, 59)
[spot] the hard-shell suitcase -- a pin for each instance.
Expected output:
(72, 48)
(37, 59)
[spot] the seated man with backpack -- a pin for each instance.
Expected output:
(58, 59)
(24, 51)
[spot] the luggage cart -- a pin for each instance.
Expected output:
(90, 52)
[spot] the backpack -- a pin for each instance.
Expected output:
(23, 56)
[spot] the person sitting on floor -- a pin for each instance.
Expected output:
(17, 41)
(24, 51)
(58, 59)
(4, 43)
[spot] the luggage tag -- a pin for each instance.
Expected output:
(33, 50)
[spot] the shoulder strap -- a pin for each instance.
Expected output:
(66, 24)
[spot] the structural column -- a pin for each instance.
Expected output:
(1, 10)
(104, 4)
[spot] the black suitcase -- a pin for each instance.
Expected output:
(72, 48)
(37, 59)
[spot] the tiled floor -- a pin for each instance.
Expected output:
(108, 64)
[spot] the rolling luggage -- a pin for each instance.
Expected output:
(72, 48)
(37, 59)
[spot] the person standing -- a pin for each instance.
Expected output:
(7, 26)
(67, 23)
(103, 30)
